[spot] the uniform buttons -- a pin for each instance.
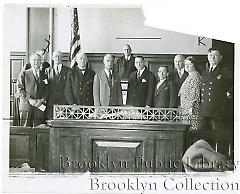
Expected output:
(210, 83)
(87, 99)
(209, 88)
(202, 100)
(202, 89)
(202, 94)
(80, 93)
(203, 84)
(209, 100)
(209, 93)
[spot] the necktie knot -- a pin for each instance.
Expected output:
(57, 70)
(110, 75)
(180, 73)
(36, 73)
(211, 69)
(138, 74)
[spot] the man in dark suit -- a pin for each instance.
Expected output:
(107, 90)
(165, 92)
(79, 86)
(32, 91)
(56, 77)
(216, 106)
(141, 85)
(178, 75)
(125, 64)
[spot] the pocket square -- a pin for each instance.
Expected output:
(45, 81)
(143, 80)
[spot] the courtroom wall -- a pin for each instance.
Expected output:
(104, 30)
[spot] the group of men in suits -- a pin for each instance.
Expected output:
(39, 89)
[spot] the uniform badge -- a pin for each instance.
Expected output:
(219, 76)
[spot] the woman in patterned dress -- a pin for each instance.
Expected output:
(190, 91)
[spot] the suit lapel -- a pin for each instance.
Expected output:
(62, 74)
(161, 87)
(144, 73)
(33, 76)
(105, 78)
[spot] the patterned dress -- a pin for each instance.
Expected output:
(190, 96)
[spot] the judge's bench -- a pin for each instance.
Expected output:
(107, 139)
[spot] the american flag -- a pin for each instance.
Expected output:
(75, 37)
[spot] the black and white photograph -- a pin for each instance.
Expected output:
(96, 97)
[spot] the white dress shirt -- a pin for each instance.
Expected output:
(58, 68)
(107, 72)
(140, 72)
(180, 72)
(127, 58)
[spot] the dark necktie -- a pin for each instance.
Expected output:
(211, 71)
(138, 74)
(57, 71)
(110, 79)
(36, 75)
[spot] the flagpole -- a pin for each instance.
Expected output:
(75, 37)
(51, 28)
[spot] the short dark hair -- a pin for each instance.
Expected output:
(140, 57)
(215, 49)
(165, 66)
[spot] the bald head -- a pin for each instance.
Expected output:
(179, 61)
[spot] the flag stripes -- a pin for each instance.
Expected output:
(75, 46)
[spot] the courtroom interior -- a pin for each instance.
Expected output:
(95, 89)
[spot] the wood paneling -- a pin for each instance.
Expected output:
(113, 146)
(29, 145)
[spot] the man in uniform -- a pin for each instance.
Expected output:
(216, 95)
(79, 89)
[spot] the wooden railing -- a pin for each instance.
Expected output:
(164, 115)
